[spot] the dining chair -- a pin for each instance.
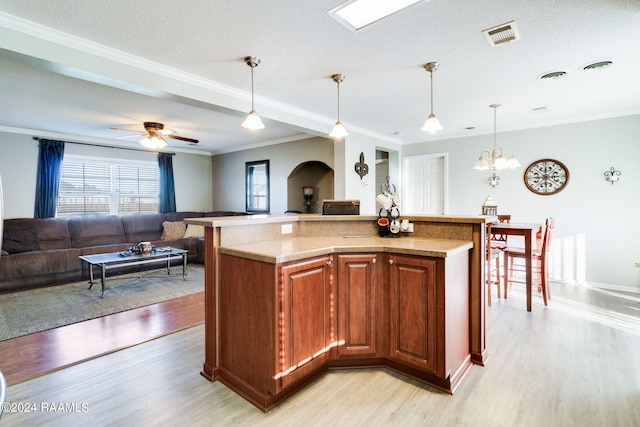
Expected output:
(539, 258)
(492, 257)
(499, 241)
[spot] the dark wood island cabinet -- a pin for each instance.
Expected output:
(282, 312)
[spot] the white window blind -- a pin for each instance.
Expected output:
(97, 187)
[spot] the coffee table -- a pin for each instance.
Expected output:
(113, 260)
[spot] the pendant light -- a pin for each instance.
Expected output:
(253, 120)
(338, 130)
(432, 125)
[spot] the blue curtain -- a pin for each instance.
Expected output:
(167, 196)
(48, 178)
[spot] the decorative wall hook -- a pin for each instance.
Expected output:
(612, 175)
(361, 167)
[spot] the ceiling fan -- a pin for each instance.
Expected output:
(155, 134)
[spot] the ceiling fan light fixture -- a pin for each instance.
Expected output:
(253, 120)
(153, 142)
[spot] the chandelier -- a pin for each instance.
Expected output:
(494, 159)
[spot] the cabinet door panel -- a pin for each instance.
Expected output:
(357, 305)
(305, 333)
(412, 311)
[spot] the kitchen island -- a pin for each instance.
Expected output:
(329, 293)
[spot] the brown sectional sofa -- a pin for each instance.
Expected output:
(45, 252)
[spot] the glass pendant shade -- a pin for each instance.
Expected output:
(432, 125)
(154, 142)
(481, 164)
(338, 131)
(513, 163)
(253, 121)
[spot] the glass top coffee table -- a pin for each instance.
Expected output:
(113, 260)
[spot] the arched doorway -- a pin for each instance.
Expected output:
(314, 174)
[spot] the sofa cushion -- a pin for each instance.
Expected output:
(143, 227)
(89, 231)
(20, 240)
(173, 230)
(53, 233)
(194, 231)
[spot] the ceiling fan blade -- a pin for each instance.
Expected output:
(182, 138)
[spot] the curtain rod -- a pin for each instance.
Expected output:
(37, 138)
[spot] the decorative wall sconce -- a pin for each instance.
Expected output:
(493, 180)
(612, 175)
(361, 167)
(307, 192)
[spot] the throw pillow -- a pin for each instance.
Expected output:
(173, 230)
(194, 231)
(20, 240)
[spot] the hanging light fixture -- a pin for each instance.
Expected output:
(253, 120)
(338, 130)
(494, 159)
(153, 141)
(432, 125)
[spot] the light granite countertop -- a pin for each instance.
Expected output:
(226, 221)
(296, 248)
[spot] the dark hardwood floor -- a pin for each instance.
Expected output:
(33, 355)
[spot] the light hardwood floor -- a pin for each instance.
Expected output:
(570, 364)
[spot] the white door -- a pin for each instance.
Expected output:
(424, 184)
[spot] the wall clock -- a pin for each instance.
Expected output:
(546, 177)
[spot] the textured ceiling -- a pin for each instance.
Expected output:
(78, 68)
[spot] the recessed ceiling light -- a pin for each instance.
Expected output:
(552, 75)
(357, 14)
(597, 65)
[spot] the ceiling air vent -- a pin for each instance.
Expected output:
(552, 75)
(501, 34)
(597, 65)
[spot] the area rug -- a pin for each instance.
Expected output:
(26, 312)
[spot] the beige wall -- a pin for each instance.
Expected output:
(229, 170)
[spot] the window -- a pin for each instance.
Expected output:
(257, 186)
(91, 186)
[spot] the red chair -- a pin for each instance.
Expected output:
(492, 256)
(539, 257)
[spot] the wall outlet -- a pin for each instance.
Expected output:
(286, 229)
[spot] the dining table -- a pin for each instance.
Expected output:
(528, 231)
